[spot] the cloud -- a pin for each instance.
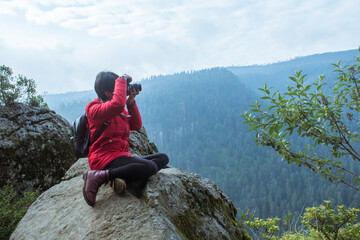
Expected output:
(116, 19)
(76, 39)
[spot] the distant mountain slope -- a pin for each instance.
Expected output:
(277, 74)
(70, 105)
(69, 97)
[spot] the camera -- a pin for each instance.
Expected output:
(130, 87)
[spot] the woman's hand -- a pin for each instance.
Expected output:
(127, 78)
(132, 96)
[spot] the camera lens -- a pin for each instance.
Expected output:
(130, 87)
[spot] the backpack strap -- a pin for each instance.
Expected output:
(101, 130)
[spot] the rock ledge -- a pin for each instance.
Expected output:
(174, 205)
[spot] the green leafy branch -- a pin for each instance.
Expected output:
(327, 120)
(18, 88)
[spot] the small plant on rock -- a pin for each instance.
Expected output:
(12, 209)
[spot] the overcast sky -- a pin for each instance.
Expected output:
(63, 44)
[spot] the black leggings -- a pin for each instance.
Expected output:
(136, 168)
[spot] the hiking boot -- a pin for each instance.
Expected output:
(92, 181)
(118, 185)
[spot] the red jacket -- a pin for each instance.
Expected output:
(112, 143)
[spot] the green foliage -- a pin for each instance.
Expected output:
(328, 120)
(332, 225)
(288, 220)
(12, 209)
(18, 88)
(267, 228)
(321, 222)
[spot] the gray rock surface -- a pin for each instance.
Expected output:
(139, 143)
(34, 147)
(174, 205)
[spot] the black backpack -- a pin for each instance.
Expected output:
(80, 139)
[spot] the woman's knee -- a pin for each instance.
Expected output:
(152, 167)
(164, 158)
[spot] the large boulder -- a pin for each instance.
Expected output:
(174, 205)
(34, 147)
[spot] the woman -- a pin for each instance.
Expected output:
(109, 156)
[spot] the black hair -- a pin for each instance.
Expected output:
(105, 81)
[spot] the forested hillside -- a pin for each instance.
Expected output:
(195, 118)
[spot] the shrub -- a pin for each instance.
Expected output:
(18, 88)
(321, 222)
(13, 208)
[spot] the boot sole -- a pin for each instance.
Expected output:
(119, 186)
(84, 186)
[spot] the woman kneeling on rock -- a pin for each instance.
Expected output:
(109, 156)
